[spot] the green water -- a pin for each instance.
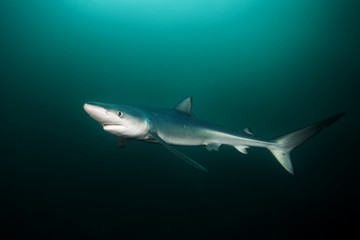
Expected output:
(274, 66)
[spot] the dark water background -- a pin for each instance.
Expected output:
(273, 66)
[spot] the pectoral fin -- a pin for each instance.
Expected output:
(121, 142)
(178, 153)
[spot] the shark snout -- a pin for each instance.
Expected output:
(88, 107)
(94, 109)
(101, 113)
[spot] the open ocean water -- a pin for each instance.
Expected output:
(274, 66)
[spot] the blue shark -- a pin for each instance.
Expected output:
(178, 126)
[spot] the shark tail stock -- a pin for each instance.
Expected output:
(288, 142)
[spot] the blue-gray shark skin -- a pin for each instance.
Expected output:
(178, 126)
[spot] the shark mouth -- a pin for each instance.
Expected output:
(114, 128)
(111, 124)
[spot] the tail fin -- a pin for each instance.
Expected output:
(288, 142)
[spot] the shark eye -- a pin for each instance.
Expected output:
(120, 114)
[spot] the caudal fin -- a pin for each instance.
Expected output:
(288, 142)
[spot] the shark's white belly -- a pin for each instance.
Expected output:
(191, 136)
(183, 137)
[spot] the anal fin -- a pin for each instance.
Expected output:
(242, 148)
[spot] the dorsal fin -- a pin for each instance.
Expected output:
(184, 106)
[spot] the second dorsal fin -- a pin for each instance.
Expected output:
(248, 131)
(184, 106)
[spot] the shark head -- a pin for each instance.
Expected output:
(120, 120)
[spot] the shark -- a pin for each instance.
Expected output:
(178, 126)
